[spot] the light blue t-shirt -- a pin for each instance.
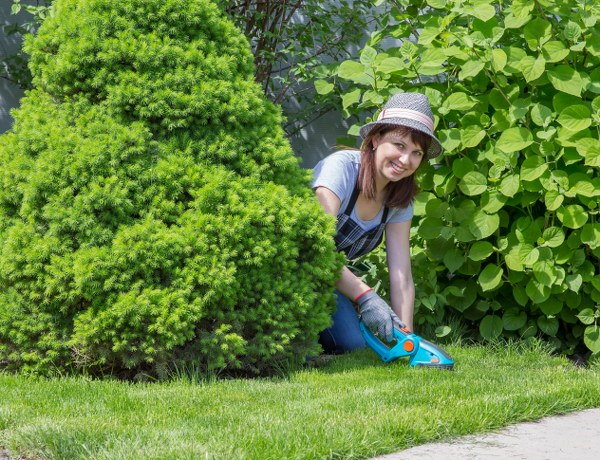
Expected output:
(338, 172)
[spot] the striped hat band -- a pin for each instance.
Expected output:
(406, 113)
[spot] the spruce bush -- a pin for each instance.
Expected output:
(152, 212)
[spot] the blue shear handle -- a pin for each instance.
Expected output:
(385, 353)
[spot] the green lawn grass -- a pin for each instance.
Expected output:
(354, 407)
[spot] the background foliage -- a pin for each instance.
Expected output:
(151, 210)
(506, 231)
(293, 44)
(14, 67)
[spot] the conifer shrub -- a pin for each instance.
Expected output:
(152, 212)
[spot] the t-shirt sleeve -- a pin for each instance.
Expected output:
(402, 214)
(335, 173)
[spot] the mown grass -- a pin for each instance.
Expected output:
(354, 407)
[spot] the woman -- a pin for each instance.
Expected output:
(370, 191)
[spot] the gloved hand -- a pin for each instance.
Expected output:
(377, 315)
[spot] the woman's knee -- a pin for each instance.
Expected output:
(351, 342)
(345, 330)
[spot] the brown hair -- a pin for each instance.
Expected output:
(397, 194)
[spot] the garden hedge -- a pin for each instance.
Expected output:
(506, 229)
(152, 213)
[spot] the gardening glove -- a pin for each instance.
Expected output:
(377, 315)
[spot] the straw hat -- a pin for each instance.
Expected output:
(411, 110)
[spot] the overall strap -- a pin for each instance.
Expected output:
(352, 202)
(353, 199)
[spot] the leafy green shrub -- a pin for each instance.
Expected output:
(151, 210)
(506, 229)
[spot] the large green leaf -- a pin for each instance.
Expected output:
(436, 3)
(592, 44)
(499, 59)
(553, 237)
(431, 228)
(554, 51)
(354, 71)
(430, 30)
(574, 282)
(473, 183)
(450, 138)
(520, 295)
(521, 8)
(548, 326)
(596, 282)
(585, 188)
(510, 185)
(553, 200)
(490, 278)
(572, 216)
(367, 56)
(532, 68)
(492, 201)
(324, 87)
(590, 235)
(471, 136)
(453, 259)
(442, 331)
(491, 327)
(566, 79)
(543, 270)
(483, 11)
(514, 57)
(514, 319)
(470, 69)
(552, 306)
(514, 139)
(521, 255)
(483, 225)
(589, 148)
(586, 316)
(391, 64)
(527, 231)
(533, 167)
(462, 166)
(572, 31)
(459, 101)
(431, 60)
(481, 250)
(351, 98)
(575, 117)
(516, 22)
(541, 115)
(591, 338)
(536, 291)
(420, 202)
(436, 208)
(498, 99)
(537, 32)
(461, 294)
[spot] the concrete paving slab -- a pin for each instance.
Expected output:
(574, 436)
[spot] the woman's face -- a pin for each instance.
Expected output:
(396, 156)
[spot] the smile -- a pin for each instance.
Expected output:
(397, 169)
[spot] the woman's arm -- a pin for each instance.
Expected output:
(402, 287)
(349, 284)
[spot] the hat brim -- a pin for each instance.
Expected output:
(434, 149)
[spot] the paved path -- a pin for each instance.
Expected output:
(574, 436)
